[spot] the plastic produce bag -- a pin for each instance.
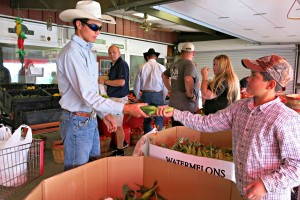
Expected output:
(142, 146)
(5, 132)
(13, 158)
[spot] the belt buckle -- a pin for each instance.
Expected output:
(93, 114)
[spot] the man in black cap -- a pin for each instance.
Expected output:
(148, 80)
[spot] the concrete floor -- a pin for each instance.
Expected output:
(50, 168)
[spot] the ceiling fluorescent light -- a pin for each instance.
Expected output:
(141, 15)
(259, 14)
(223, 17)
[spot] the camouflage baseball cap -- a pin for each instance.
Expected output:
(277, 67)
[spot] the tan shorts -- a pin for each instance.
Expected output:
(119, 118)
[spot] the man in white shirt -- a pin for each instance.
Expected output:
(149, 82)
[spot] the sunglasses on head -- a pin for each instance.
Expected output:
(93, 27)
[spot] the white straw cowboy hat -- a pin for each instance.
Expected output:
(88, 10)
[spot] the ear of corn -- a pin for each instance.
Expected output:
(220, 155)
(199, 152)
(169, 109)
(149, 110)
(149, 193)
(184, 145)
(193, 150)
(143, 193)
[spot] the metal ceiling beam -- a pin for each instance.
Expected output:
(106, 5)
(43, 4)
(196, 36)
(135, 4)
(177, 20)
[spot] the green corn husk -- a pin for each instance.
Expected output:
(169, 109)
(149, 110)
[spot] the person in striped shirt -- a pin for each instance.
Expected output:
(266, 133)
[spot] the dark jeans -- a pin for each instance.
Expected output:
(154, 99)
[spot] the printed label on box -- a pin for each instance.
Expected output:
(221, 168)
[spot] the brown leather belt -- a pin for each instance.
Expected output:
(151, 91)
(84, 114)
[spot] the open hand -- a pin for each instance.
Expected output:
(255, 190)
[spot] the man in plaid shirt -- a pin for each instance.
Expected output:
(266, 133)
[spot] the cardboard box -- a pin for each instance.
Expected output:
(224, 169)
(106, 177)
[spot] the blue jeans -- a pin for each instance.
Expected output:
(154, 99)
(81, 139)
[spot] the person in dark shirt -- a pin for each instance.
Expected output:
(244, 82)
(224, 88)
(4, 72)
(181, 80)
(117, 90)
(243, 86)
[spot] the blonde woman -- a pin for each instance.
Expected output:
(223, 89)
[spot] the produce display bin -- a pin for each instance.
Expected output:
(220, 168)
(20, 100)
(105, 178)
(47, 86)
(55, 99)
(15, 86)
(12, 86)
(38, 116)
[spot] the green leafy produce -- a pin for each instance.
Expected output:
(184, 145)
(143, 193)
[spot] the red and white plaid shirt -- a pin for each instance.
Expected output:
(266, 143)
